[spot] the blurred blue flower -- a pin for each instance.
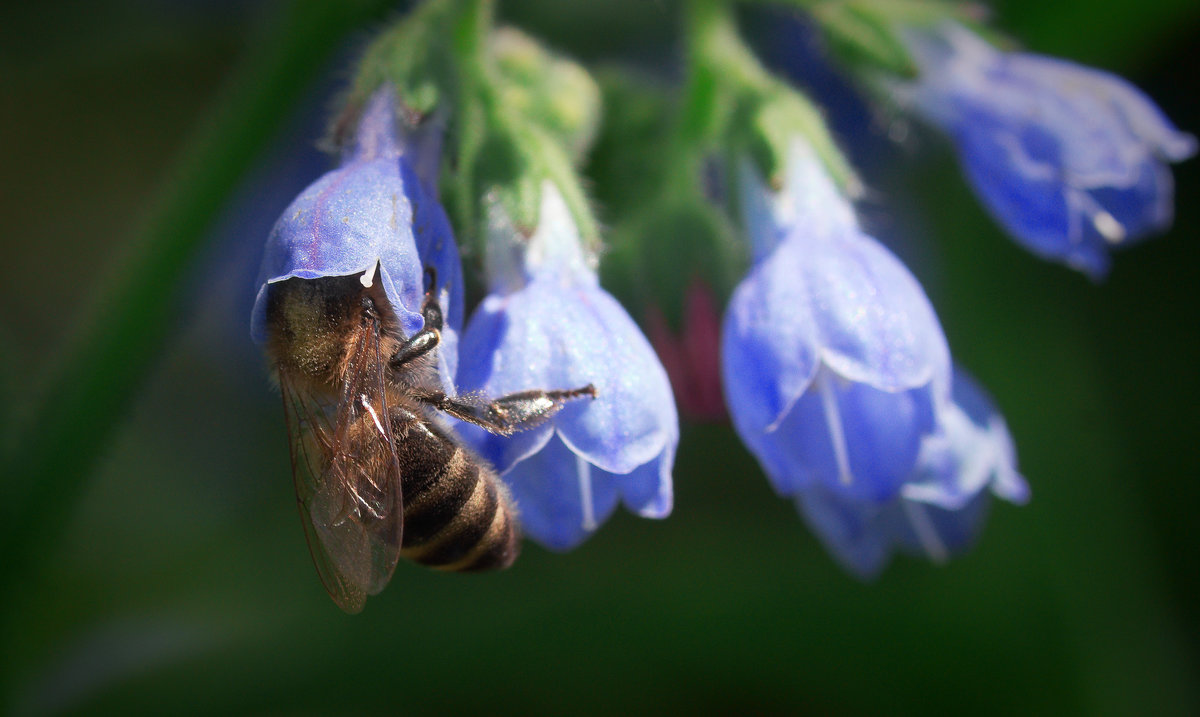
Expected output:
(942, 506)
(834, 364)
(1070, 160)
(547, 324)
(372, 211)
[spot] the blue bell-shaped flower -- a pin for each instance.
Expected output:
(547, 324)
(1071, 161)
(942, 508)
(834, 364)
(372, 211)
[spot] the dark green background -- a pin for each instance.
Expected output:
(180, 582)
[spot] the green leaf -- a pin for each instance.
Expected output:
(550, 90)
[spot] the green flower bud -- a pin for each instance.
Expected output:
(550, 90)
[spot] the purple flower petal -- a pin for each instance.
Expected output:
(1071, 161)
(549, 325)
(838, 379)
(372, 211)
(944, 503)
(834, 364)
(561, 498)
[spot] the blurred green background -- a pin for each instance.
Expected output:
(178, 581)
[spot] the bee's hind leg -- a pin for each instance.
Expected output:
(507, 414)
(504, 415)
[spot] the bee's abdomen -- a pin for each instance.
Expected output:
(461, 518)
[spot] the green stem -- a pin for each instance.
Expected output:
(487, 123)
(742, 92)
(471, 33)
(116, 341)
(721, 73)
(715, 44)
(471, 30)
(698, 124)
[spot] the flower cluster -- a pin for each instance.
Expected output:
(546, 324)
(830, 359)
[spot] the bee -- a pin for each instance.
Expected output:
(378, 474)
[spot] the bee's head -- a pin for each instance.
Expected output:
(313, 324)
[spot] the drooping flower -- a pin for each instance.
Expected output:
(834, 364)
(547, 324)
(1072, 161)
(943, 505)
(372, 211)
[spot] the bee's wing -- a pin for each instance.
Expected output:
(347, 479)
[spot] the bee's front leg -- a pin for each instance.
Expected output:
(430, 335)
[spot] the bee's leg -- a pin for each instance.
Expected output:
(508, 414)
(428, 337)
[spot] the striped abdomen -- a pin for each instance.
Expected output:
(457, 513)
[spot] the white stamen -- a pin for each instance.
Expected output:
(368, 276)
(833, 419)
(1109, 227)
(926, 534)
(584, 471)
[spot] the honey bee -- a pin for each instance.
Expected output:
(377, 473)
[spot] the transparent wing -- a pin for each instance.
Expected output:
(347, 477)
